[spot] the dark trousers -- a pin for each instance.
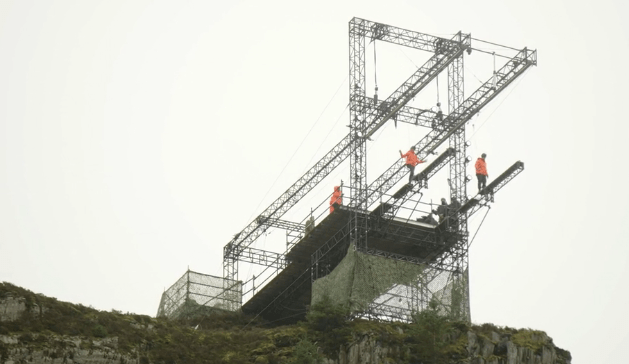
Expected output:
(482, 181)
(412, 168)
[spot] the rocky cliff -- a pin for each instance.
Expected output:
(58, 349)
(498, 348)
(38, 329)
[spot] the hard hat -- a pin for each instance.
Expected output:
(483, 155)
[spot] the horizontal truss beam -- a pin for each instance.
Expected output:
(263, 257)
(408, 114)
(400, 36)
(281, 224)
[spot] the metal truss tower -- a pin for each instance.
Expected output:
(458, 184)
(368, 115)
(357, 113)
(365, 121)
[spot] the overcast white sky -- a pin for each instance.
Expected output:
(136, 138)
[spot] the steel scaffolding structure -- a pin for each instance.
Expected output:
(370, 221)
(197, 294)
(370, 123)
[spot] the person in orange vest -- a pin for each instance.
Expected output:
(481, 172)
(411, 161)
(337, 198)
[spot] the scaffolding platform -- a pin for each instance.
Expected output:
(288, 293)
(314, 251)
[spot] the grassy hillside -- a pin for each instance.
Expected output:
(235, 338)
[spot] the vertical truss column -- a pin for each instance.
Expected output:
(358, 118)
(457, 140)
(458, 190)
(230, 272)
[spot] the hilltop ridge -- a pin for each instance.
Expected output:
(39, 329)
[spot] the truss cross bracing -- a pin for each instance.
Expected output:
(368, 219)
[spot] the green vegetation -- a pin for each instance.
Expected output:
(219, 336)
(436, 339)
(328, 323)
(306, 352)
(225, 337)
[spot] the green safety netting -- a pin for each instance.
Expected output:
(195, 293)
(382, 286)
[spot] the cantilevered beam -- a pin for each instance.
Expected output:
(487, 195)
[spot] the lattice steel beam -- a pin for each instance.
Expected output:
(281, 224)
(408, 38)
(263, 257)
(473, 205)
(408, 114)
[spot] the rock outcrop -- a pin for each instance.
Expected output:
(11, 308)
(54, 349)
(527, 347)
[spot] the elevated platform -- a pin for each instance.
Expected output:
(285, 298)
(288, 293)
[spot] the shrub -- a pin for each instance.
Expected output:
(99, 331)
(324, 316)
(306, 352)
(428, 337)
(328, 323)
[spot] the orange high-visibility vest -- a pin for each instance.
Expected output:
(481, 167)
(411, 158)
(337, 198)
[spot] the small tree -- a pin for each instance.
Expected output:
(328, 323)
(428, 335)
(306, 352)
(99, 331)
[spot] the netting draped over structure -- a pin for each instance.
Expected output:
(195, 293)
(384, 288)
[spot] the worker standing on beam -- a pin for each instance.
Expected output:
(481, 172)
(411, 161)
(337, 198)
